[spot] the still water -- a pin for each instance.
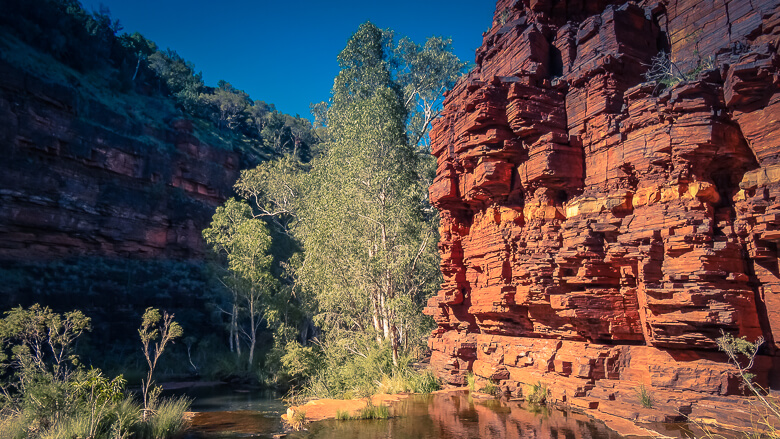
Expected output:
(228, 414)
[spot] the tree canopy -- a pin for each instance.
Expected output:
(358, 208)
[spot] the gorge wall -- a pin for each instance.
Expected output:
(598, 229)
(82, 177)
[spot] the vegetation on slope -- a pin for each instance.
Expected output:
(60, 41)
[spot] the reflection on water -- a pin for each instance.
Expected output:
(455, 416)
(224, 412)
(229, 414)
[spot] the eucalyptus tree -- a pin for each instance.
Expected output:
(363, 232)
(424, 73)
(245, 242)
(358, 207)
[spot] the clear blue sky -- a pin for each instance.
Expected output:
(284, 52)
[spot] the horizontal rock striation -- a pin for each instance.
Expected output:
(609, 186)
(79, 177)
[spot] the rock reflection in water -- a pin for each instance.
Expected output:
(456, 415)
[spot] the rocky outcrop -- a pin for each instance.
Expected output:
(82, 177)
(599, 230)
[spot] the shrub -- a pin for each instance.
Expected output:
(471, 381)
(407, 379)
(167, 419)
(371, 411)
(766, 408)
(298, 420)
(490, 388)
(666, 73)
(538, 395)
(645, 398)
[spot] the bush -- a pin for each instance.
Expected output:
(766, 408)
(298, 420)
(666, 73)
(50, 395)
(490, 388)
(538, 395)
(167, 419)
(350, 368)
(645, 398)
(371, 411)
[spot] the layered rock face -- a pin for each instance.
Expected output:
(600, 230)
(81, 178)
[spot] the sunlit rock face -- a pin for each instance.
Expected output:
(79, 177)
(599, 230)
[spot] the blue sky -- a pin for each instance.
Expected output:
(284, 52)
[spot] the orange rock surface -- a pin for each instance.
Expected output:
(319, 409)
(599, 231)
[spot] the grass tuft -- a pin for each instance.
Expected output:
(490, 388)
(538, 395)
(167, 419)
(298, 420)
(372, 411)
(645, 398)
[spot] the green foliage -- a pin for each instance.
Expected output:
(769, 409)
(424, 73)
(347, 368)
(343, 415)
(490, 388)
(471, 381)
(156, 332)
(115, 294)
(407, 379)
(300, 362)
(361, 225)
(81, 39)
(538, 394)
(227, 105)
(357, 210)
(244, 240)
(13, 425)
(246, 243)
(49, 395)
(125, 416)
(666, 73)
(298, 420)
(371, 411)
(43, 339)
(167, 419)
(179, 77)
(645, 398)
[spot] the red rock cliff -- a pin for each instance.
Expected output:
(599, 231)
(78, 177)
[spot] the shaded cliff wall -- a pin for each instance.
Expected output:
(103, 197)
(82, 177)
(599, 229)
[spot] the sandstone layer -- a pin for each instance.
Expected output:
(600, 230)
(80, 177)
